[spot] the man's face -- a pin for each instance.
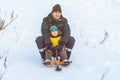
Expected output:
(56, 14)
(54, 33)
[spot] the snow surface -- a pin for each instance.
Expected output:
(95, 24)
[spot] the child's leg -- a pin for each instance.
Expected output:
(63, 54)
(48, 54)
(48, 57)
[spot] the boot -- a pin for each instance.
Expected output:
(42, 55)
(47, 62)
(68, 54)
(66, 62)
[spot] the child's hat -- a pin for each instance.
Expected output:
(53, 28)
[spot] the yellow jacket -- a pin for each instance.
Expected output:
(55, 41)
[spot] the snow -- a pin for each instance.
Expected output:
(95, 56)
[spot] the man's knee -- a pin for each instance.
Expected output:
(70, 43)
(39, 39)
(72, 40)
(40, 42)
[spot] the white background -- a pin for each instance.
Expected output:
(89, 20)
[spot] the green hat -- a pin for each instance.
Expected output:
(53, 28)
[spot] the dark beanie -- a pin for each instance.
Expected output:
(56, 8)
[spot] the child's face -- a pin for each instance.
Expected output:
(54, 33)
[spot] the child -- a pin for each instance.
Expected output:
(54, 38)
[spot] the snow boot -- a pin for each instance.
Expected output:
(47, 62)
(68, 54)
(42, 55)
(66, 62)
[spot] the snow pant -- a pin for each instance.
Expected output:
(61, 53)
(41, 46)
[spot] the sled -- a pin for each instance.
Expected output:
(57, 62)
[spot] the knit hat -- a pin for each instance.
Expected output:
(56, 8)
(53, 28)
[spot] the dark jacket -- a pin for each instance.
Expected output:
(62, 25)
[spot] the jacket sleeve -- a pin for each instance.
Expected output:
(66, 32)
(45, 32)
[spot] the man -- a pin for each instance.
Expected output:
(55, 18)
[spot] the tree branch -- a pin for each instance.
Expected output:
(2, 21)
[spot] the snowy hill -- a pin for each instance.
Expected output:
(94, 24)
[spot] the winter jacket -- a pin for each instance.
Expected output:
(55, 41)
(62, 25)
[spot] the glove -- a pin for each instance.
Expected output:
(49, 47)
(59, 47)
(61, 43)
